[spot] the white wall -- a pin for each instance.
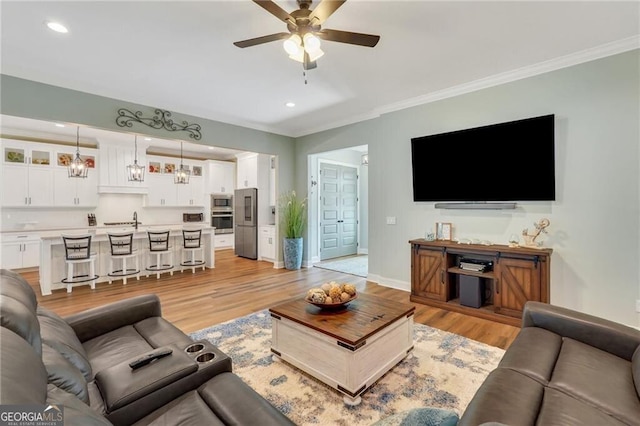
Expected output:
(595, 219)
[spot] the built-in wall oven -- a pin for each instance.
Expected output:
(222, 213)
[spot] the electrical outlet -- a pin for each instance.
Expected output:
(391, 220)
(638, 305)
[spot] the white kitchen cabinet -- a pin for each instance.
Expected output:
(272, 182)
(247, 170)
(224, 241)
(191, 194)
(27, 174)
(221, 177)
(114, 159)
(267, 243)
(163, 192)
(75, 192)
(20, 251)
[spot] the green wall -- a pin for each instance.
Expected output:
(595, 221)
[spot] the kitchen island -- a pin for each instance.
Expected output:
(52, 256)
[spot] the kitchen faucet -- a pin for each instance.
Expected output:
(135, 220)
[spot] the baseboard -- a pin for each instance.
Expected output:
(363, 251)
(278, 264)
(315, 259)
(389, 282)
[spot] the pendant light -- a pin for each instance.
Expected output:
(182, 174)
(77, 168)
(135, 172)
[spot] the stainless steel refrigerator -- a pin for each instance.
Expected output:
(245, 206)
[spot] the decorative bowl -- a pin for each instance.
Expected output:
(337, 305)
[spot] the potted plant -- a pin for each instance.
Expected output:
(293, 218)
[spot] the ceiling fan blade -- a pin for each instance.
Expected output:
(322, 11)
(276, 11)
(260, 40)
(360, 39)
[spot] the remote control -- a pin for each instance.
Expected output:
(142, 361)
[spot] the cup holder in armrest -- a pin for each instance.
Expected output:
(205, 357)
(194, 348)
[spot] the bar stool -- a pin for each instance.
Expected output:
(191, 244)
(122, 250)
(159, 247)
(77, 251)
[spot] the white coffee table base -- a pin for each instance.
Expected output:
(348, 369)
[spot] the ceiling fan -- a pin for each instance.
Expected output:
(302, 42)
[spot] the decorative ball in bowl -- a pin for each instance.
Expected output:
(332, 295)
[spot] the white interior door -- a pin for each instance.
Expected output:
(338, 211)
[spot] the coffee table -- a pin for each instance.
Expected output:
(349, 348)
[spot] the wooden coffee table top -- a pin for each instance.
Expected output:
(353, 324)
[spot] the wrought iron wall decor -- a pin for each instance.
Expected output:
(162, 120)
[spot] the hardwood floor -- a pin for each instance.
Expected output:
(238, 287)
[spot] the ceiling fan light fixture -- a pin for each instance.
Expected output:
(293, 45)
(298, 57)
(316, 54)
(311, 43)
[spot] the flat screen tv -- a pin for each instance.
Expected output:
(511, 161)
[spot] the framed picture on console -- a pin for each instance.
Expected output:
(443, 231)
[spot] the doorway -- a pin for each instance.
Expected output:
(338, 210)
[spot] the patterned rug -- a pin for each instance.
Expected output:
(354, 265)
(444, 370)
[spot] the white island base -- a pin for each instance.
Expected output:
(52, 256)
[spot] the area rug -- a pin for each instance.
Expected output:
(444, 370)
(354, 265)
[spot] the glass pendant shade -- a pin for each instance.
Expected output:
(77, 168)
(135, 172)
(182, 174)
(292, 45)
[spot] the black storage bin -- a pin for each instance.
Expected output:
(472, 291)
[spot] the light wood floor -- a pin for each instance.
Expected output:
(238, 287)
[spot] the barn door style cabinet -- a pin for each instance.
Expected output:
(517, 275)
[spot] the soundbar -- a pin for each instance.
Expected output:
(480, 205)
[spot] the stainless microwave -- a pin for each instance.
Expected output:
(221, 202)
(192, 217)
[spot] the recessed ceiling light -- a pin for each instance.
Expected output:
(210, 147)
(57, 27)
(147, 139)
(290, 104)
(59, 125)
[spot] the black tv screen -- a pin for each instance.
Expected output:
(511, 161)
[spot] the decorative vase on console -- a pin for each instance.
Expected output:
(293, 218)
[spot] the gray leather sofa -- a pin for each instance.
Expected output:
(82, 363)
(563, 368)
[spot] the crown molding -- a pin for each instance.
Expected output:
(587, 55)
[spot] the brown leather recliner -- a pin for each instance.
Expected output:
(563, 368)
(82, 362)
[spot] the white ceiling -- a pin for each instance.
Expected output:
(179, 56)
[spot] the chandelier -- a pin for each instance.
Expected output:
(135, 172)
(182, 174)
(77, 168)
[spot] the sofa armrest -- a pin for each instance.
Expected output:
(103, 319)
(603, 334)
(121, 385)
